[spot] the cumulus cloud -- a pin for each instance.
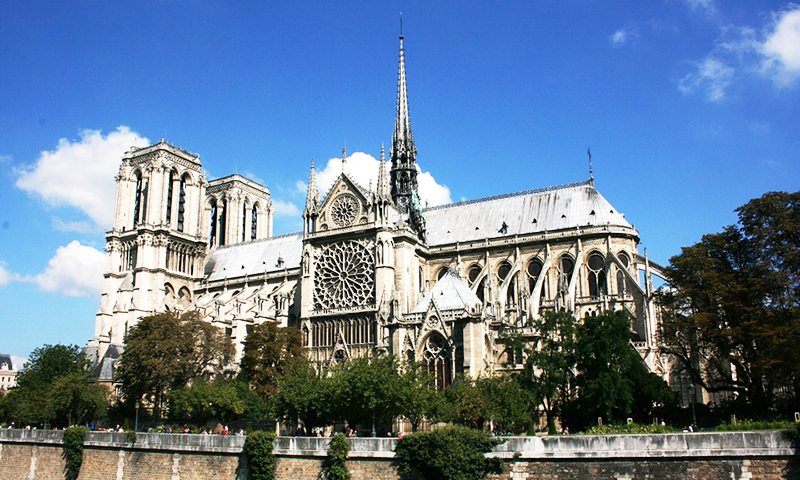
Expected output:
(76, 271)
(18, 362)
(80, 174)
(618, 38)
(285, 209)
(713, 76)
(781, 48)
(363, 168)
(6, 277)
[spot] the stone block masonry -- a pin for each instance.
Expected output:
(30, 454)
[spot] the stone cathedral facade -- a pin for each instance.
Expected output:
(372, 272)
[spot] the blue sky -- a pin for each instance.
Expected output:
(690, 107)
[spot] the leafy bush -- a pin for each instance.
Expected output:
(258, 449)
(336, 464)
(750, 426)
(628, 428)
(73, 451)
(449, 453)
(793, 433)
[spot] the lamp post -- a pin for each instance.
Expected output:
(693, 398)
(136, 423)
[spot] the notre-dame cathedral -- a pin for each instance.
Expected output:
(372, 271)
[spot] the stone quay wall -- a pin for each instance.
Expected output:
(37, 454)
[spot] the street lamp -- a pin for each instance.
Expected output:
(693, 398)
(136, 423)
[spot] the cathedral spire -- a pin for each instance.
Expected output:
(383, 179)
(313, 194)
(404, 153)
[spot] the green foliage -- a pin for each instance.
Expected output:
(731, 316)
(270, 353)
(500, 399)
(215, 400)
(364, 390)
(260, 459)
(420, 399)
(449, 453)
(166, 352)
(792, 433)
(465, 404)
(73, 451)
(628, 428)
(336, 464)
(753, 426)
(548, 373)
(54, 387)
(303, 395)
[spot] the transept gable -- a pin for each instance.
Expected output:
(347, 204)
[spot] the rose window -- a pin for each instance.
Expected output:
(344, 276)
(344, 210)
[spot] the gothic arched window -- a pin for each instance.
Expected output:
(181, 203)
(474, 272)
(597, 275)
(502, 273)
(169, 196)
(442, 272)
(244, 221)
(437, 358)
(254, 222)
(212, 239)
(223, 222)
(137, 203)
(622, 284)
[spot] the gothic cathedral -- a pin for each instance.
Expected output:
(372, 272)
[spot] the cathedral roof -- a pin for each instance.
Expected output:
(532, 211)
(449, 293)
(255, 258)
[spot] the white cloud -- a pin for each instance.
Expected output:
(713, 76)
(618, 38)
(6, 277)
(6, 158)
(81, 174)
(363, 168)
(705, 6)
(782, 48)
(79, 226)
(76, 271)
(252, 176)
(285, 209)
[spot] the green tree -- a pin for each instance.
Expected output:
(54, 387)
(731, 315)
(270, 351)
(510, 406)
(548, 371)
(166, 352)
(303, 396)
(73, 400)
(365, 391)
(219, 400)
(465, 404)
(420, 399)
(605, 359)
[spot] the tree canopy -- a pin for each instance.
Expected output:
(54, 387)
(165, 352)
(731, 310)
(270, 352)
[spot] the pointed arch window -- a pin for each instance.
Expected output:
(137, 203)
(502, 273)
(437, 357)
(212, 239)
(597, 275)
(622, 282)
(474, 272)
(169, 196)
(222, 222)
(244, 222)
(181, 203)
(534, 272)
(254, 222)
